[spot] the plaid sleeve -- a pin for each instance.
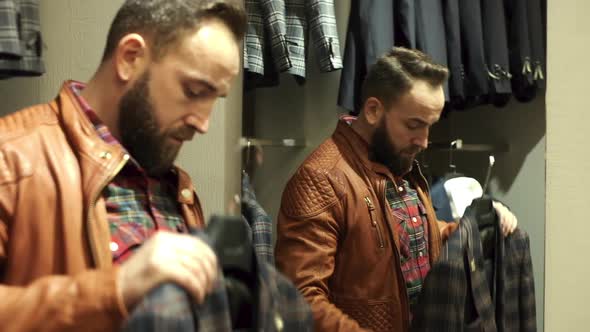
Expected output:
(324, 33)
(9, 41)
(520, 311)
(30, 63)
(274, 18)
(282, 307)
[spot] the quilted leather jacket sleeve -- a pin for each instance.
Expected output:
(307, 240)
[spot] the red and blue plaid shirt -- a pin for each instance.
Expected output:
(137, 205)
(413, 235)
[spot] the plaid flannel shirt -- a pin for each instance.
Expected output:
(456, 296)
(259, 221)
(137, 205)
(413, 235)
(169, 308)
(20, 39)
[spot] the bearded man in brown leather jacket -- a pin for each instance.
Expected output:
(357, 232)
(91, 205)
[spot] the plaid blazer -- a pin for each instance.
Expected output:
(515, 307)
(283, 25)
(455, 296)
(169, 308)
(20, 39)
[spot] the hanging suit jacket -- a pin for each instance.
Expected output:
(496, 51)
(277, 36)
(430, 33)
(370, 35)
(454, 54)
(317, 19)
(515, 308)
(20, 39)
(519, 16)
(455, 296)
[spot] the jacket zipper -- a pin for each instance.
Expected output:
(95, 200)
(374, 222)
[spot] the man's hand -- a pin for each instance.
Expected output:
(508, 221)
(168, 257)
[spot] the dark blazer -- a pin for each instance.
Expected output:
(430, 32)
(515, 308)
(496, 51)
(454, 53)
(370, 35)
(519, 44)
(476, 78)
(455, 296)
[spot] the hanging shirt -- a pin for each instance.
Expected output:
(137, 205)
(412, 230)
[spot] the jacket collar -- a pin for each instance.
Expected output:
(97, 158)
(360, 148)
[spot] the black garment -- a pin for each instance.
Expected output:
(496, 51)
(454, 54)
(370, 35)
(430, 33)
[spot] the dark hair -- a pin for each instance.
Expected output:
(395, 72)
(165, 21)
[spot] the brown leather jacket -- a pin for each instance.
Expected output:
(56, 271)
(336, 237)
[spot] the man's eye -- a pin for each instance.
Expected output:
(192, 94)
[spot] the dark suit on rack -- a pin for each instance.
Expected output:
(496, 51)
(454, 54)
(476, 77)
(430, 32)
(370, 35)
(523, 86)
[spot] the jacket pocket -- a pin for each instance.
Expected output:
(374, 224)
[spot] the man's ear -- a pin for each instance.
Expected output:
(131, 57)
(373, 110)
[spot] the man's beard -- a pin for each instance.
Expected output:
(140, 132)
(383, 151)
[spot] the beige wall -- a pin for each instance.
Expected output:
(74, 33)
(568, 162)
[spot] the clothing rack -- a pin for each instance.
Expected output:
(284, 142)
(459, 146)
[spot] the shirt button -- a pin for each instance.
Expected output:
(400, 189)
(414, 219)
(421, 254)
(186, 193)
(114, 246)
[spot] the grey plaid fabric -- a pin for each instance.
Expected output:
(317, 18)
(283, 25)
(20, 19)
(169, 308)
(456, 296)
(9, 41)
(515, 308)
(259, 221)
